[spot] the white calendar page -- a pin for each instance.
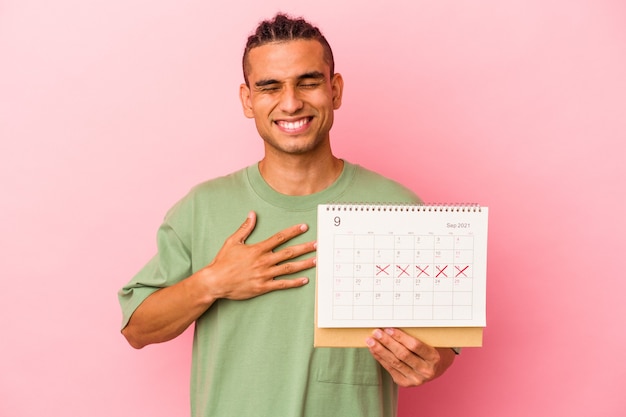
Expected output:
(401, 266)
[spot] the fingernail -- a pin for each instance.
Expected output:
(370, 342)
(378, 334)
(304, 227)
(389, 331)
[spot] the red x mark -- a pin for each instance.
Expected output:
(403, 270)
(441, 271)
(461, 271)
(422, 271)
(382, 269)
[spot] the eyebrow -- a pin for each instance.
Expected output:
(306, 76)
(312, 74)
(264, 83)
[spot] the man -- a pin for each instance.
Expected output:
(251, 293)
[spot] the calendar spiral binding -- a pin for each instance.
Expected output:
(406, 207)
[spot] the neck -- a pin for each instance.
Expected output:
(299, 175)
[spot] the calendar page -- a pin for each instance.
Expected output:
(401, 265)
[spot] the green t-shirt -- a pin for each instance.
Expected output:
(255, 358)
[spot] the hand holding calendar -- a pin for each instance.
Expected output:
(409, 361)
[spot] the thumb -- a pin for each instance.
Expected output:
(246, 228)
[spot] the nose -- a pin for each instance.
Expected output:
(290, 100)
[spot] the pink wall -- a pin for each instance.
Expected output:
(110, 111)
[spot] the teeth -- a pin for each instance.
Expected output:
(293, 125)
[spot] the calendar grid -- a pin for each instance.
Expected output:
(402, 277)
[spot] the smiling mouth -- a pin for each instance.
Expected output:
(295, 125)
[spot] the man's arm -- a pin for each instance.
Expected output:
(409, 361)
(238, 272)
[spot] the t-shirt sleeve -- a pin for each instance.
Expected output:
(171, 264)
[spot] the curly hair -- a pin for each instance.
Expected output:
(284, 28)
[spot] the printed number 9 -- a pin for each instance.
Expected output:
(337, 220)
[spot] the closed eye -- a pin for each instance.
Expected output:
(267, 85)
(269, 89)
(310, 84)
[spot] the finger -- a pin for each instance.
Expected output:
(292, 267)
(283, 236)
(390, 349)
(396, 353)
(286, 269)
(245, 229)
(400, 372)
(421, 349)
(406, 368)
(285, 284)
(294, 251)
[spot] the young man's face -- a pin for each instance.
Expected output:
(291, 95)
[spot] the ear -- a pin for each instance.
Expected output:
(337, 87)
(246, 102)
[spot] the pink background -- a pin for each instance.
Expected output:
(111, 110)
